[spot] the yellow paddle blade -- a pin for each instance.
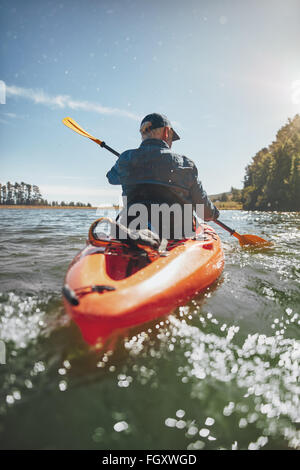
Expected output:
(69, 122)
(253, 240)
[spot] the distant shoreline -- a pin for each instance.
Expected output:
(12, 206)
(228, 205)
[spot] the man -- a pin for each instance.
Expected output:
(153, 174)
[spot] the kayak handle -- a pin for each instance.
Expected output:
(72, 295)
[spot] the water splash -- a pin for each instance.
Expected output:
(24, 318)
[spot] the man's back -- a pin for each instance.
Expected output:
(153, 173)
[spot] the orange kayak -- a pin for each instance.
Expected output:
(111, 286)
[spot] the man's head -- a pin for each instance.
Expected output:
(158, 126)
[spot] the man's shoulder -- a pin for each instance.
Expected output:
(182, 160)
(174, 158)
(127, 155)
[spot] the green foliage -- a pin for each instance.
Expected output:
(30, 195)
(272, 180)
(236, 194)
(20, 194)
(224, 197)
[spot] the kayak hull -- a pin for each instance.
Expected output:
(147, 293)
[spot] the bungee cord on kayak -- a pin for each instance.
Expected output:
(137, 286)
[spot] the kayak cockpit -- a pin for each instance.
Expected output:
(121, 263)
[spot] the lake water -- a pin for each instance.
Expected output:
(221, 372)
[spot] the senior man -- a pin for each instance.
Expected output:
(153, 174)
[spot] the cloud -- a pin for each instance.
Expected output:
(65, 101)
(10, 115)
(14, 116)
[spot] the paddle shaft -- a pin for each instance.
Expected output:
(225, 227)
(103, 144)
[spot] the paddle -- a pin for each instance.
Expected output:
(243, 239)
(69, 122)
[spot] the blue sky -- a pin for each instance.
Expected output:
(226, 73)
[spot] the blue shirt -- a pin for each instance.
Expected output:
(154, 163)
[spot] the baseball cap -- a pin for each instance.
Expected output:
(156, 120)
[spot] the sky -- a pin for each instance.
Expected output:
(225, 72)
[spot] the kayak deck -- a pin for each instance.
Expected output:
(116, 287)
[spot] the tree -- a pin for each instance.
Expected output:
(24, 193)
(27, 193)
(3, 190)
(36, 195)
(272, 179)
(236, 194)
(9, 195)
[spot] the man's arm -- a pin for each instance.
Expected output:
(113, 174)
(199, 196)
